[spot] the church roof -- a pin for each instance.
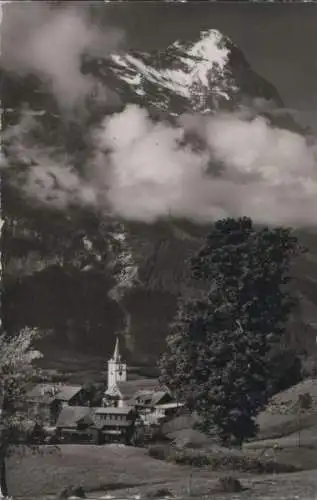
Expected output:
(116, 353)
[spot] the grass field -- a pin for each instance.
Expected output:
(126, 471)
(93, 467)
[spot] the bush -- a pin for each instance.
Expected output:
(160, 493)
(305, 401)
(250, 464)
(229, 484)
(181, 457)
(223, 461)
(285, 369)
(159, 452)
(186, 457)
(72, 491)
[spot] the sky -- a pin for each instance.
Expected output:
(142, 170)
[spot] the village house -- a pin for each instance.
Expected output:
(113, 424)
(74, 424)
(82, 424)
(46, 400)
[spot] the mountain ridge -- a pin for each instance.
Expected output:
(73, 290)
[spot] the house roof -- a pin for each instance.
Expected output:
(144, 392)
(70, 416)
(150, 398)
(47, 393)
(67, 392)
(109, 423)
(112, 410)
(143, 399)
(129, 388)
(169, 406)
(158, 396)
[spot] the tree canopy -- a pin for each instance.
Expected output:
(17, 371)
(217, 351)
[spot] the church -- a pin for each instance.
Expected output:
(139, 393)
(117, 372)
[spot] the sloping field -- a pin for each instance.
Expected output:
(124, 473)
(284, 417)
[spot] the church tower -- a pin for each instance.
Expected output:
(117, 370)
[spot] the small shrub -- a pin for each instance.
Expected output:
(186, 457)
(250, 464)
(219, 462)
(159, 452)
(160, 493)
(72, 491)
(229, 484)
(305, 401)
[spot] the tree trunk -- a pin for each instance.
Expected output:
(3, 480)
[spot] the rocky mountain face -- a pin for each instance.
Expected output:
(82, 277)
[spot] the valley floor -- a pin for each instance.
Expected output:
(123, 472)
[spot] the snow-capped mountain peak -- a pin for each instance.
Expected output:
(192, 71)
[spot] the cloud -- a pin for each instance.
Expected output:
(246, 167)
(42, 173)
(50, 42)
(56, 185)
(270, 173)
(148, 173)
(203, 168)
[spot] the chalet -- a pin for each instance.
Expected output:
(165, 411)
(114, 424)
(81, 424)
(43, 404)
(156, 406)
(46, 400)
(74, 424)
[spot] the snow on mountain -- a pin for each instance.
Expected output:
(192, 71)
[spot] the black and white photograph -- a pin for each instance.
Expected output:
(158, 171)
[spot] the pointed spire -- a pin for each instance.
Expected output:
(116, 353)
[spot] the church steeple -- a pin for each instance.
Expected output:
(116, 353)
(117, 370)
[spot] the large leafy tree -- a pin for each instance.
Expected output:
(217, 351)
(17, 371)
